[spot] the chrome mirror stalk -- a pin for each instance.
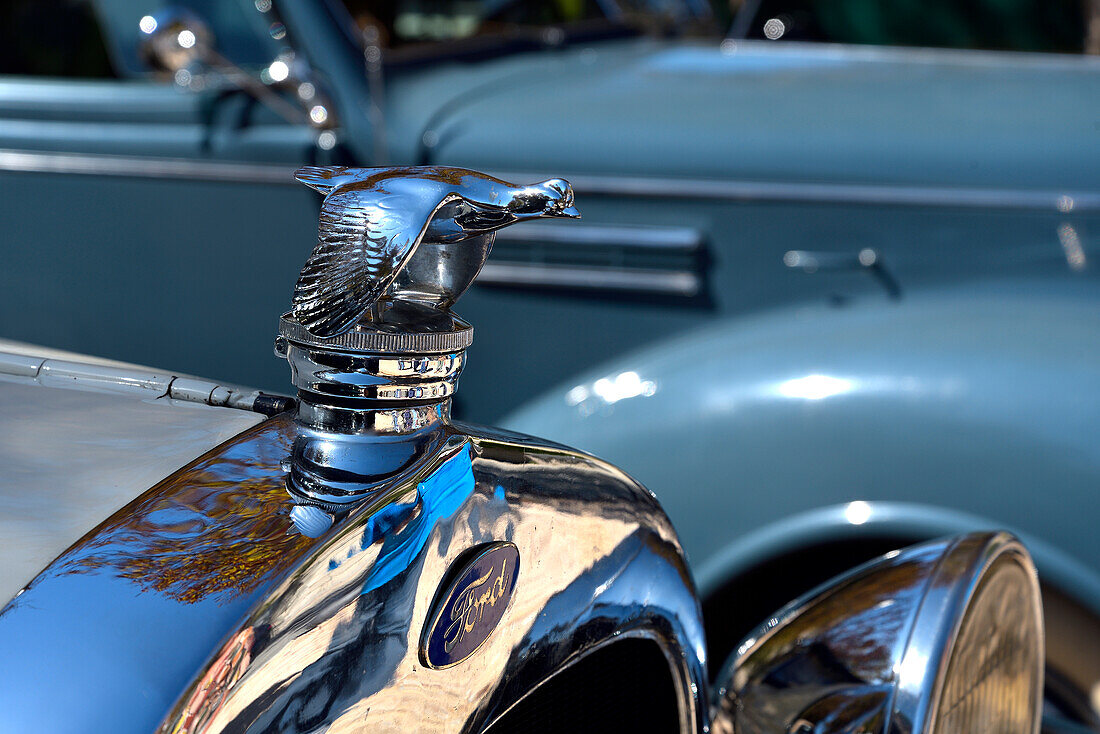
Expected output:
(178, 42)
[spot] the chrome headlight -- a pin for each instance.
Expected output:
(992, 664)
(941, 638)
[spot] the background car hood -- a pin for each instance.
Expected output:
(763, 111)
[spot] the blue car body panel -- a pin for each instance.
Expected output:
(979, 401)
(766, 113)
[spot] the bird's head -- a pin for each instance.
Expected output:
(559, 199)
(550, 198)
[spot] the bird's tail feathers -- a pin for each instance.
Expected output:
(323, 178)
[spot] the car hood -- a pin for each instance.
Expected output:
(756, 110)
(80, 438)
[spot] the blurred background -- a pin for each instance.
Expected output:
(834, 290)
(150, 214)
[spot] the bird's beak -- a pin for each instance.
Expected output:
(570, 211)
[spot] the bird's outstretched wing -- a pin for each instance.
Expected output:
(359, 251)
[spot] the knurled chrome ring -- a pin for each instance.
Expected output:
(366, 340)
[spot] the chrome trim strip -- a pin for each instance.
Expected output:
(134, 381)
(625, 280)
(674, 239)
(589, 185)
(144, 167)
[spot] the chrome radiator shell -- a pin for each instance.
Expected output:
(199, 607)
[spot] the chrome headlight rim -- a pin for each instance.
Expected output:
(872, 648)
(962, 573)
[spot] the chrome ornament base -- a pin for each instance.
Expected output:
(371, 375)
(399, 329)
(372, 408)
(333, 467)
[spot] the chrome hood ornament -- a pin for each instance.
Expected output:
(373, 347)
(388, 235)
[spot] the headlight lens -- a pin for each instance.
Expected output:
(994, 676)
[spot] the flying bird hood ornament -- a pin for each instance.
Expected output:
(373, 347)
(416, 235)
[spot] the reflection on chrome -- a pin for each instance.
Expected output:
(310, 520)
(223, 618)
(278, 71)
(252, 592)
(944, 637)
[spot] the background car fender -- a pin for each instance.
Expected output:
(980, 403)
(870, 521)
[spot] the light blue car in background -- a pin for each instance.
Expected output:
(826, 300)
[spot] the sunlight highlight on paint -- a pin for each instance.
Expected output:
(624, 385)
(858, 512)
(814, 387)
(611, 390)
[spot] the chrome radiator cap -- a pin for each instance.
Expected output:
(373, 347)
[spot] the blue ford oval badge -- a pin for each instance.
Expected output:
(468, 608)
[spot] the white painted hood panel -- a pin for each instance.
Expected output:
(71, 457)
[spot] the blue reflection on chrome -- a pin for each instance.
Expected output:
(439, 497)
